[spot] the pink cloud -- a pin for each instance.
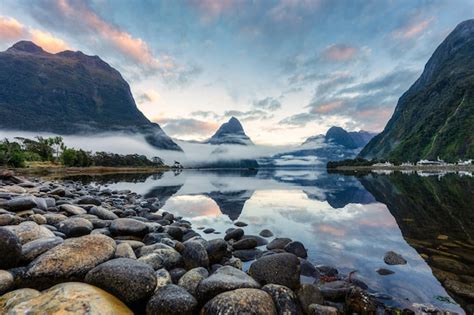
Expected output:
(292, 10)
(212, 9)
(327, 107)
(12, 30)
(340, 52)
(413, 29)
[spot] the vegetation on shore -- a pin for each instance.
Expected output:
(23, 152)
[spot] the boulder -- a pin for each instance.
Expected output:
(70, 260)
(125, 226)
(234, 235)
(247, 243)
(10, 249)
(266, 233)
(191, 279)
(240, 301)
(309, 294)
(260, 240)
(317, 309)
(89, 200)
(296, 248)
(29, 231)
(124, 250)
(224, 279)
(283, 298)
(6, 281)
(171, 300)
(195, 255)
(247, 254)
(217, 249)
(283, 269)
(74, 227)
(72, 209)
(163, 278)
(278, 243)
(11, 299)
(103, 213)
(128, 279)
(33, 249)
(20, 203)
(72, 297)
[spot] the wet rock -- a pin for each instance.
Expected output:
(20, 204)
(308, 269)
(317, 309)
(124, 250)
(240, 301)
(247, 254)
(208, 230)
(6, 281)
(38, 218)
(217, 249)
(128, 279)
(296, 248)
(459, 288)
(60, 191)
(260, 240)
(245, 244)
(240, 224)
(72, 209)
(176, 274)
(153, 260)
(11, 299)
(278, 243)
(309, 294)
(195, 255)
(54, 218)
(89, 200)
(79, 298)
(327, 271)
(7, 219)
(283, 298)
(152, 238)
(449, 264)
(125, 226)
(10, 249)
(384, 271)
(170, 257)
(392, 258)
(33, 249)
(191, 279)
(29, 231)
(171, 299)
(266, 233)
(70, 260)
(148, 249)
(74, 227)
(163, 278)
(224, 279)
(175, 232)
(361, 302)
(234, 235)
(283, 269)
(103, 213)
(335, 290)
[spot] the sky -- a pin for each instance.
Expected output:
(287, 69)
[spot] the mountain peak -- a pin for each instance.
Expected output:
(340, 136)
(27, 47)
(230, 132)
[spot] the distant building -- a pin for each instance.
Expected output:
(468, 162)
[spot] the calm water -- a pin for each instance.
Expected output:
(345, 221)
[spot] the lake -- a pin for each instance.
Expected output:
(345, 221)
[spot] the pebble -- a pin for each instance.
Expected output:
(266, 233)
(392, 258)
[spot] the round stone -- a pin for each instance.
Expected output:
(128, 279)
(217, 249)
(171, 300)
(72, 297)
(266, 233)
(240, 301)
(392, 258)
(11, 299)
(309, 294)
(103, 213)
(74, 227)
(10, 249)
(125, 226)
(72, 209)
(245, 244)
(191, 279)
(283, 298)
(6, 281)
(283, 269)
(33, 249)
(296, 248)
(235, 234)
(195, 255)
(278, 243)
(29, 231)
(124, 250)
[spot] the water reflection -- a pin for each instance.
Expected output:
(345, 221)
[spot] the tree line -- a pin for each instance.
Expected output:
(17, 152)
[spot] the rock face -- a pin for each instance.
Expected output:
(435, 117)
(128, 279)
(10, 249)
(70, 260)
(98, 98)
(283, 269)
(240, 301)
(231, 132)
(82, 298)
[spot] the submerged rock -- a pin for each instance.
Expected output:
(283, 269)
(240, 301)
(392, 258)
(266, 233)
(278, 243)
(309, 294)
(283, 298)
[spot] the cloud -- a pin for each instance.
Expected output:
(268, 103)
(327, 107)
(212, 9)
(12, 30)
(340, 52)
(251, 115)
(187, 127)
(148, 97)
(412, 29)
(205, 114)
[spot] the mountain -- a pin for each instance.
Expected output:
(435, 117)
(337, 144)
(69, 93)
(231, 132)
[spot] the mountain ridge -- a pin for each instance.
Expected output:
(69, 93)
(230, 132)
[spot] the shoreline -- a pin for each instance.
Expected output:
(92, 170)
(434, 168)
(67, 231)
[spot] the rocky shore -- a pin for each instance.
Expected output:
(68, 248)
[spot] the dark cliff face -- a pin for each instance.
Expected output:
(435, 117)
(339, 136)
(231, 132)
(68, 93)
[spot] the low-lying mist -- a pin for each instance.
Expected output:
(194, 154)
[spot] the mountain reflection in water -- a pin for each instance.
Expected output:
(345, 221)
